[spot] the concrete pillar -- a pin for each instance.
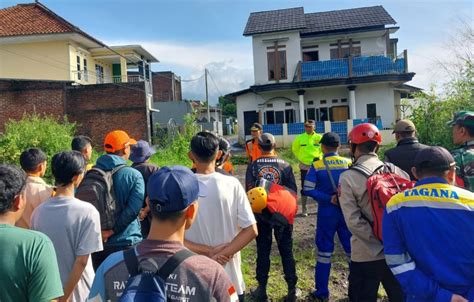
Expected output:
(352, 104)
(301, 104)
(123, 69)
(327, 126)
(285, 140)
(350, 125)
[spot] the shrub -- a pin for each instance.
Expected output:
(175, 151)
(33, 130)
(433, 111)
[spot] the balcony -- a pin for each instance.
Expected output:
(93, 78)
(351, 67)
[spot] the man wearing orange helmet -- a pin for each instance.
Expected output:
(368, 267)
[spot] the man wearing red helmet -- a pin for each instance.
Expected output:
(368, 267)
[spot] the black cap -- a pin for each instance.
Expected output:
(330, 139)
(436, 157)
(256, 127)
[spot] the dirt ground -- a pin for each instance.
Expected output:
(304, 252)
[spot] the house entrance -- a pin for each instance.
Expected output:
(250, 117)
(340, 113)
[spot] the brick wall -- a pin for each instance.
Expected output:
(166, 86)
(20, 97)
(97, 109)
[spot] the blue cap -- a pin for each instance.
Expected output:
(141, 151)
(172, 189)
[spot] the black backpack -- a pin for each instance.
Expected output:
(97, 188)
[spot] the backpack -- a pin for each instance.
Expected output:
(143, 285)
(97, 189)
(382, 184)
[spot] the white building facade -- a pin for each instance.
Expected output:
(330, 67)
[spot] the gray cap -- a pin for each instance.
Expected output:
(266, 139)
(404, 126)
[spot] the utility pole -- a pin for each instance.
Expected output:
(207, 97)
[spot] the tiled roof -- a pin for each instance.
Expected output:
(35, 19)
(273, 21)
(347, 19)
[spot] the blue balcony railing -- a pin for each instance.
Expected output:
(351, 67)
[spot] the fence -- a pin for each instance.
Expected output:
(286, 133)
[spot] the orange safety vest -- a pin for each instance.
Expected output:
(253, 151)
(228, 167)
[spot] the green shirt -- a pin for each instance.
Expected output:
(464, 158)
(28, 267)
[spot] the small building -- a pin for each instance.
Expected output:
(329, 66)
(38, 44)
(166, 86)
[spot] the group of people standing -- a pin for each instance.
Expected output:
(427, 246)
(58, 244)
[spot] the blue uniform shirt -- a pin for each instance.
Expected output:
(428, 234)
(318, 185)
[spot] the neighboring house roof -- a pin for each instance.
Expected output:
(314, 23)
(35, 19)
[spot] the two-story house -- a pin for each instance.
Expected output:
(327, 66)
(36, 43)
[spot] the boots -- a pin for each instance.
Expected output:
(260, 293)
(304, 213)
(291, 297)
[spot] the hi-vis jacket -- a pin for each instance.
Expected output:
(428, 236)
(306, 147)
(318, 185)
(253, 151)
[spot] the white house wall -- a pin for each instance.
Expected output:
(380, 94)
(293, 54)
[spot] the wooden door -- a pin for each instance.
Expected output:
(340, 113)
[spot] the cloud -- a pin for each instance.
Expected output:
(230, 65)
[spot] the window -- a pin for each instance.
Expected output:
(334, 101)
(310, 102)
(343, 100)
(86, 75)
(309, 56)
(78, 66)
(288, 104)
(279, 117)
(323, 114)
(276, 60)
(371, 111)
(270, 117)
(289, 116)
(99, 74)
(322, 102)
(311, 113)
(342, 50)
(269, 105)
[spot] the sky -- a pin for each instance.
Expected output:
(187, 36)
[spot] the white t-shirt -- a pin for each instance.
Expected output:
(223, 211)
(74, 228)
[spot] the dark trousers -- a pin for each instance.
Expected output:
(365, 278)
(303, 176)
(283, 236)
(99, 257)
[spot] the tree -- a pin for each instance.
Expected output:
(228, 107)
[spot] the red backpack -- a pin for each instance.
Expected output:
(382, 184)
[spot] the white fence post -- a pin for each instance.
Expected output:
(327, 126)
(286, 138)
